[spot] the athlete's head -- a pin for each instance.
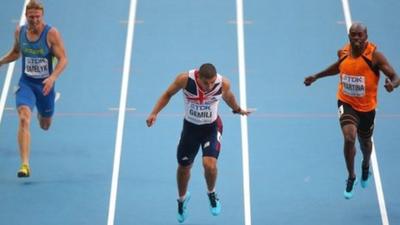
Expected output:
(34, 14)
(207, 76)
(358, 36)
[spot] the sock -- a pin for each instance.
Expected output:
(182, 198)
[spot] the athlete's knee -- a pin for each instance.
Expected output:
(184, 168)
(349, 134)
(349, 139)
(24, 114)
(45, 124)
(210, 164)
(365, 143)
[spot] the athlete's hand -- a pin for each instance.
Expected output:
(389, 85)
(309, 80)
(243, 112)
(48, 85)
(151, 120)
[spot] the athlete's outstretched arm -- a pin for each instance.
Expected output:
(330, 71)
(57, 47)
(14, 53)
(392, 81)
(178, 84)
(230, 99)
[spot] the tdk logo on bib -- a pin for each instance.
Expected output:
(353, 85)
(36, 67)
(200, 107)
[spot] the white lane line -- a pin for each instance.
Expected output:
(347, 15)
(378, 185)
(10, 71)
(121, 112)
(243, 104)
(374, 160)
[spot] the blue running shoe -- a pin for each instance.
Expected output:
(365, 176)
(348, 193)
(215, 205)
(182, 208)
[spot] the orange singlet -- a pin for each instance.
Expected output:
(358, 79)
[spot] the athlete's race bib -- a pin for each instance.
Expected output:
(353, 85)
(36, 67)
(200, 113)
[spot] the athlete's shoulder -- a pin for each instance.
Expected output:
(344, 51)
(370, 49)
(181, 79)
(183, 75)
(52, 32)
(372, 45)
(226, 84)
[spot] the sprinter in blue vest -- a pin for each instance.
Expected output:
(39, 44)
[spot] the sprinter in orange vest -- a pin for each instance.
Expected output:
(358, 66)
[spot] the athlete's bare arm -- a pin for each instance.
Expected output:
(178, 84)
(14, 53)
(57, 46)
(392, 81)
(330, 71)
(230, 99)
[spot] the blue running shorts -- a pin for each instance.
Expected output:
(30, 93)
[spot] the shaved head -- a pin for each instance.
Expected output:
(358, 27)
(358, 38)
(207, 71)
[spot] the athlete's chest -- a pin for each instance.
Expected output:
(355, 66)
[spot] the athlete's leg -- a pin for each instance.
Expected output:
(211, 148)
(349, 134)
(183, 177)
(45, 106)
(187, 150)
(24, 136)
(366, 147)
(349, 122)
(365, 132)
(44, 122)
(210, 172)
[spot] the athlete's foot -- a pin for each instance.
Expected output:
(215, 205)
(24, 171)
(350, 183)
(365, 176)
(182, 208)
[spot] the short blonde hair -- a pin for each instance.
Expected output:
(34, 4)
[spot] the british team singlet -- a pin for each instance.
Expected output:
(359, 79)
(201, 107)
(36, 55)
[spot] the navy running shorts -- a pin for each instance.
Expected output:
(207, 136)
